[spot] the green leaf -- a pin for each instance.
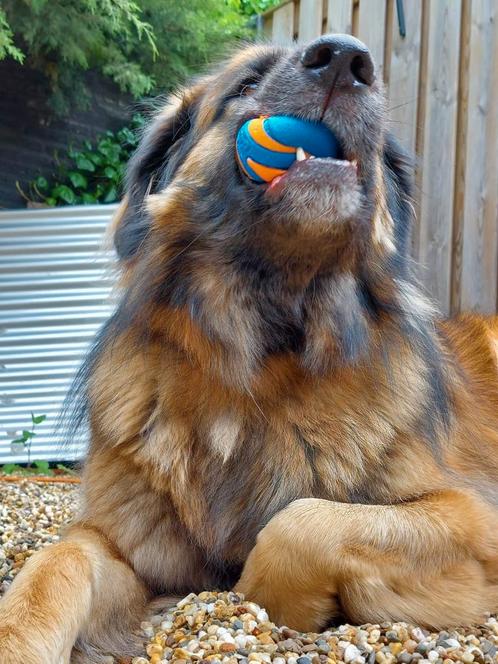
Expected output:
(28, 434)
(10, 468)
(111, 195)
(89, 199)
(42, 465)
(77, 179)
(110, 172)
(38, 419)
(41, 183)
(19, 440)
(64, 193)
(95, 159)
(126, 134)
(51, 201)
(84, 164)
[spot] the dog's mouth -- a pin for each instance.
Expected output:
(320, 171)
(268, 162)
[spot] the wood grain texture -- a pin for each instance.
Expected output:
(371, 29)
(310, 20)
(268, 27)
(420, 129)
(340, 16)
(437, 180)
(388, 41)
(283, 25)
(404, 69)
(460, 159)
(480, 220)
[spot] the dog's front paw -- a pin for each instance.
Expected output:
(281, 575)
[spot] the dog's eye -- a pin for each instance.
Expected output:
(248, 87)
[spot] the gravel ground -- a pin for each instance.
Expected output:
(222, 627)
(31, 515)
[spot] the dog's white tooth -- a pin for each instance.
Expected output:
(300, 156)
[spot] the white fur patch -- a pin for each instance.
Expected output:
(382, 235)
(223, 435)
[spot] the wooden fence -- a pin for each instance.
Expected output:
(442, 83)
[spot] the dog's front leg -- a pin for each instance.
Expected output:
(79, 587)
(433, 561)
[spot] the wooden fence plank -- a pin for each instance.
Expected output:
(421, 109)
(283, 25)
(268, 26)
(437, 181)
(371, 28)
(460, 158)
(340, 16)
(404, 68)
(310, 20)
(480, 216)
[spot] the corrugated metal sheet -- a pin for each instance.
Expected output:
(55, 284)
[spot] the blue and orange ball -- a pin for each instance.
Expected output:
(266, 146)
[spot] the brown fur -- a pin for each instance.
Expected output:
(311, 424)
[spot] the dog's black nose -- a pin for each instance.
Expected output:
(341, 60)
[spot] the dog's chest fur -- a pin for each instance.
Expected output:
(228, 469)
(199, 469)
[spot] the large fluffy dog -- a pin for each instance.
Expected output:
(273, 395)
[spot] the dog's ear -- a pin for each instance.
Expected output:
(150, 169)
(399, 178)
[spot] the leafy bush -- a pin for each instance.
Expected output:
(64, 38)
(251, 7)
(93, 174)
(144, 46)
(7, 47)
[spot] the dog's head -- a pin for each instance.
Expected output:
(196, 235)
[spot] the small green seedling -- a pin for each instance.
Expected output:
(23, 442)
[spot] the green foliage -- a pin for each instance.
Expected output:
(64, 38)
(26, 437)
(7, 47)
(38, 467)
(11, 468)
(189, 36)
(144, 46)
(92, 174)
(252, 7)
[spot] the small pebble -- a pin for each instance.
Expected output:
(350, 654)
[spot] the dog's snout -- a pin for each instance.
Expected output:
(340, 59)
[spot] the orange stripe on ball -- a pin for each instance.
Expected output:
(258, 134)
(265, 172)
(241, 164)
